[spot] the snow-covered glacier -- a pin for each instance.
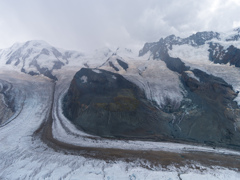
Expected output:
(38, 142)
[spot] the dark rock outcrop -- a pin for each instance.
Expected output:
(122, 64)
(212, 120)
(114, 67)
(197, 39)
(108, 105)
(114, 107)
(219, 55)
(7, 105)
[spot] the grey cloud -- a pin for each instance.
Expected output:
(87, 25)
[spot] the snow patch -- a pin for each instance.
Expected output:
(84, 79)
(191, 74)
(96, 71)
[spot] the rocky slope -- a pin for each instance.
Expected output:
(222, 48)
(217, 115)
(104, 103)
(6, 104)
(9, 106)
(205, 111)
(175, 89)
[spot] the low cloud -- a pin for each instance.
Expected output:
(87, 25)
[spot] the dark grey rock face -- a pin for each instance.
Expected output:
(212, 120)
(5, 111)
(209, 112)
(114, 107)
(197, 39)
(7, 105)
(108, 105)
(114, 67)
(221, 56)
(122, 64)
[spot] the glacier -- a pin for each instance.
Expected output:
(39, 142)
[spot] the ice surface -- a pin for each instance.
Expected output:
(24, 156)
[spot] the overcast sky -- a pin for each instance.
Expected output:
(86, 25)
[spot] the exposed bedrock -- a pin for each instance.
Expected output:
(219, 55)
(108, 105)
(105, 104)
(5, 111)
(7, 106)
(209, 113)
(214, 118)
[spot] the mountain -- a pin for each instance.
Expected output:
(189, 96)
(37, 57)
(106, 104)
(200, 51)
(220, 48)
(163, 112)
(190, 86)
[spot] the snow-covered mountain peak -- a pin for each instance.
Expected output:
(37, 57)
(197, 40)
(36, 43)
(237, 29)
(104, 56)
(123, 51)
(102, 52)
(170, 38)
(212, 52)
(32, 44)
(97, 57)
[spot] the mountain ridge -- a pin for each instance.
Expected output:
(37, 57)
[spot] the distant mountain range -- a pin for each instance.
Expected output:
(38, 57)
(223, 48)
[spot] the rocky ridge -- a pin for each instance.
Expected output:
(106, 104)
